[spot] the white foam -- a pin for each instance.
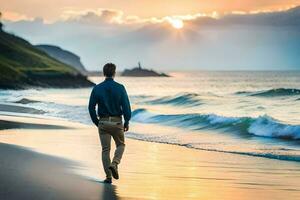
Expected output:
(215, 119)
(268, 127)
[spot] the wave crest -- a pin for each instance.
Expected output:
(273, 92)
(185, 99)
(263, 126)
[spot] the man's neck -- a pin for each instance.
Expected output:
(109, 78)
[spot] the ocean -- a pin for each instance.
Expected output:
(246, 113)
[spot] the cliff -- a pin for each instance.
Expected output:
(22, 65)
(63, 56)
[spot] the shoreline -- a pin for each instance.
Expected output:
(272, 157)
(148, 170)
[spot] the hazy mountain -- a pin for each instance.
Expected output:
(62, 55)
(22, 65)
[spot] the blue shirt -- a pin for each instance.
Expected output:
(111, 99)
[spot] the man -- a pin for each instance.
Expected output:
(112, 101)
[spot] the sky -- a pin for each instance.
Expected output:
(52, 10)
(164, 35)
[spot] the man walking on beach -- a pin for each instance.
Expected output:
(112, 101)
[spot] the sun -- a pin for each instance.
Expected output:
(176, 23)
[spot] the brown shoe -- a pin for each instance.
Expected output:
(114, 171)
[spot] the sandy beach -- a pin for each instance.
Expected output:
(56, 159)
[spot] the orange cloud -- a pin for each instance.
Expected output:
(14, 16)
(51, 10)
(112, 16)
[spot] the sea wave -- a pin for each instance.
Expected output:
(184, 99)
(76, 113)
(277, 92)
(166, 140)
(26, 101)
(263, 126)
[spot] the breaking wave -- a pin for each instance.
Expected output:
(263, 126)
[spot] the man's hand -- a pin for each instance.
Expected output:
(126, 128)
(97, 123)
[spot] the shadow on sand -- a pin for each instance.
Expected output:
(25, 174)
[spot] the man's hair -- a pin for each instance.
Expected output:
(109, 70)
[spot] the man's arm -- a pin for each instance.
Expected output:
(126, 108)
(92, 108)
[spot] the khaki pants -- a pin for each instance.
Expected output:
(111, 127)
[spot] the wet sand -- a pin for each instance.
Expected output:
(64, 163)
(25, 174)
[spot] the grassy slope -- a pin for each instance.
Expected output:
(21, 65)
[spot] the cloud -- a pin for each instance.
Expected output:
(93, 16)
(288, 17)
(14, 16)
(268, 40)
(111, 16)
(100, 16)
(115, 17)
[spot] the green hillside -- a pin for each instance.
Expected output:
(22, 65)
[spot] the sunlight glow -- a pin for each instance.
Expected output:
(176, 23)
